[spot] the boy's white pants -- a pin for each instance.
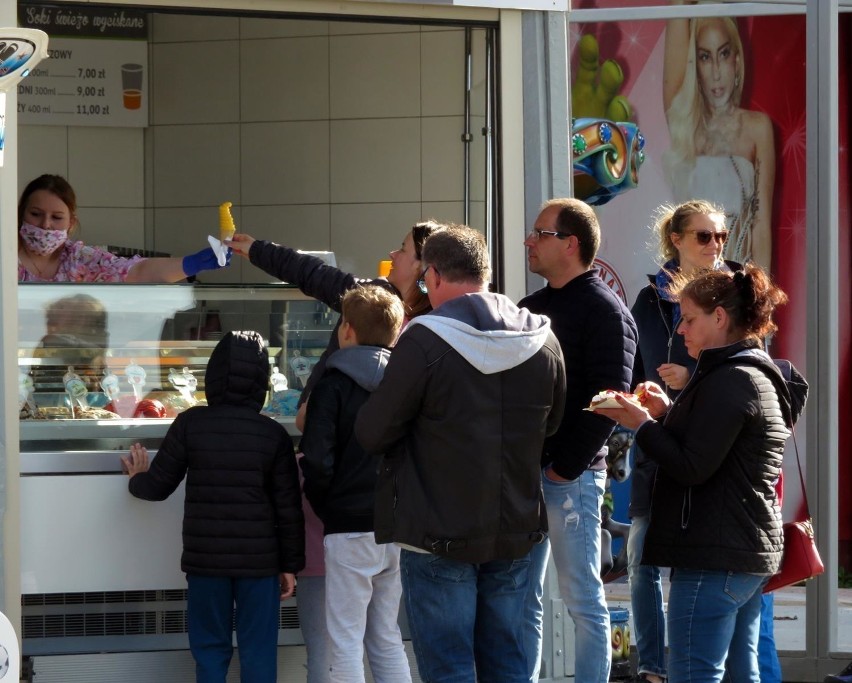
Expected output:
(362, 595)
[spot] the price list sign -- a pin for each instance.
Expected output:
(97, 71)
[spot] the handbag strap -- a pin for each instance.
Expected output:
(801, 477)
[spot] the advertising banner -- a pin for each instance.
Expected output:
(666, 76)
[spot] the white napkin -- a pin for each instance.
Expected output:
(220, 249)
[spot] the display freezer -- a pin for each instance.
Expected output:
(100, 570)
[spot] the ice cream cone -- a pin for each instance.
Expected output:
(226, 222)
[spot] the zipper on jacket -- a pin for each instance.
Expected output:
(685, 509)
(670, 329)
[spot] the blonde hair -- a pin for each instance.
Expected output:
(374, 313)
(672, 219)
(687, 114)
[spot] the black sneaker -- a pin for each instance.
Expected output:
(844, 676)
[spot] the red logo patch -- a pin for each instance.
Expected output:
(607, 274)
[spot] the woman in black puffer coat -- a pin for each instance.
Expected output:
(715, 517)
(690, 238)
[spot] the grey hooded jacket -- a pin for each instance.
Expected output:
(469, 394)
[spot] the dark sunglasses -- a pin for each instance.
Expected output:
(703, 237)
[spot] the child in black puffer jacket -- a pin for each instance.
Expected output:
(243, 528)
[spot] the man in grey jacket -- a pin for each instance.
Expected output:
(469, 394)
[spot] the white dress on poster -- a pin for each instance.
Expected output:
(729, 183)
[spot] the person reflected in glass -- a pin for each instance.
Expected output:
(76, 334)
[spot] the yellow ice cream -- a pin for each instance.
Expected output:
(226, 222)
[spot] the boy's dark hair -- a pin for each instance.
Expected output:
(374, 313)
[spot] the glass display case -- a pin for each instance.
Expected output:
(96, 352)
(102, 367)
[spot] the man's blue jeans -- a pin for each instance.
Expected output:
(646, 600)
(714, 617)
(466, 620)
(210, 605)
(574, 518)
(534, 608)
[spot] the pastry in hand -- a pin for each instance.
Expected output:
(606, 399)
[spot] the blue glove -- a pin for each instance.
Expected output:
(202, 260)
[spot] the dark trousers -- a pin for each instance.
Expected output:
(211, 601)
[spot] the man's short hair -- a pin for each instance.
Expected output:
(459, 254)
(374, 313)
(578, 218)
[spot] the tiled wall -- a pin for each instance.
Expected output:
(325, 135)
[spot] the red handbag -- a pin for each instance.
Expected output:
(801, 558)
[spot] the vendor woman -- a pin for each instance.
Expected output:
(47, 219)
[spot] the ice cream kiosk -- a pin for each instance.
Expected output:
(331, 127)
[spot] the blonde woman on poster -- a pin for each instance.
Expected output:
(719, 151)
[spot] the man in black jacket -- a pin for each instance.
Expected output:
(598, 339)
(469, 393)
(243, 528)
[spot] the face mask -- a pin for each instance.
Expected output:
(41, 241)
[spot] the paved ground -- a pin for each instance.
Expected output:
(789, 614)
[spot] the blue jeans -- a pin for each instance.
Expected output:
(574, 518)
(714, 619)
(534, 609)
(646, 600)
(466, 620)
(767, 654)
(209, 607)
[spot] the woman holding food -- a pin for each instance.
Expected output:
(715, 517)
(47, 220)
(690, 238)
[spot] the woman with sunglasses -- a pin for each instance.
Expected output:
(715, 516)
(690, 238)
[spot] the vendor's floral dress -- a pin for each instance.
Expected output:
(80, 263)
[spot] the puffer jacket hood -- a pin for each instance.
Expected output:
(487, 330)
(790, 385)
(238, 371)
(364, 364)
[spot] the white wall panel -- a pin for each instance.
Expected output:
(87, 533)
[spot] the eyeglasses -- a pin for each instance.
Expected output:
(703, 237)
(421, 281)
(536, 234)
